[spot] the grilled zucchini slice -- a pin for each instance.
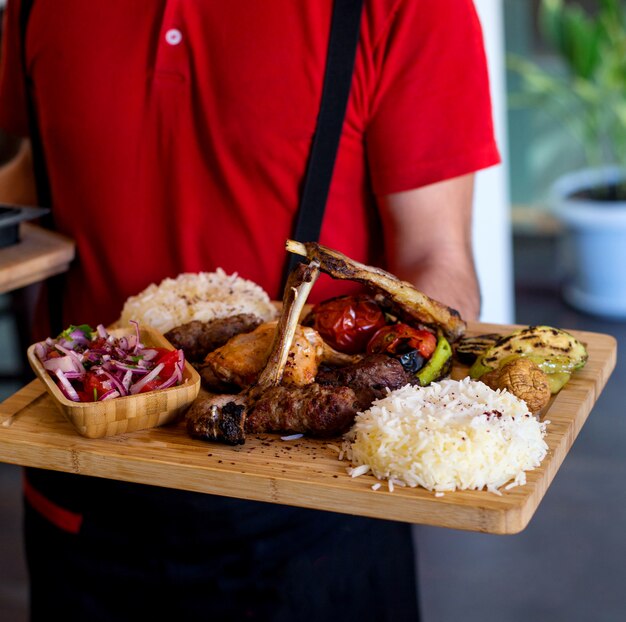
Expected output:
(555, 351)
(468, 349)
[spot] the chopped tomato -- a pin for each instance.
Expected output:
(348, 322)
(97, 343)
(151, 385)
(400, 338)
(95, 386)
(169, 358)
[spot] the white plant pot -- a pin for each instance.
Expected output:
(595, 243)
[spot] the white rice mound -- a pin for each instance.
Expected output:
(451, 435)
(200, 296)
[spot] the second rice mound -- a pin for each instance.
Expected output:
(200, 296)
(447, 436)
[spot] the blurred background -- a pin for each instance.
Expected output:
(557, 72)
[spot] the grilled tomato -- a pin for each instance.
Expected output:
(347, 323)
(399, 338)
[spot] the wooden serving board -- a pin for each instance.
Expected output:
(301, 472)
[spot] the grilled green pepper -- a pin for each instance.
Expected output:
(439, 363)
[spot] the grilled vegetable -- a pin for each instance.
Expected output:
(524, 379)
(555, 352)
(347, 322)
(439, 363)
(400, 338)
(468, 349)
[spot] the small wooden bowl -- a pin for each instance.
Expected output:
(124, 414)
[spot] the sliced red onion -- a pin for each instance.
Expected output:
(132, 367)
(66, 386)
(109, 395)
(138, 344)
(114, 382)
(149, 354)
(136, 388)
(126, 381)
(63, 363)
(78, 337)
(102, 331)
(171, 381)
(62, 347)
(40, 351)
(74, 375)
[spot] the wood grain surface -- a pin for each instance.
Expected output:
(38, 255)
(301, 472)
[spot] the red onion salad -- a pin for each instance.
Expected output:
(92, 365)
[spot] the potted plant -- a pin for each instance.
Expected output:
(588, 96)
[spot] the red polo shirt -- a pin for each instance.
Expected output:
(176, 133)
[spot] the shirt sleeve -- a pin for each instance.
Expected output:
(430, 118)
(13, 113)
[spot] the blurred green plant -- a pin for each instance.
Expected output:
(587, 93)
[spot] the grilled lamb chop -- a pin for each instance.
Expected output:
(410, 302)
(197, 338)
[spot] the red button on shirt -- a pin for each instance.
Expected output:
(177, 133)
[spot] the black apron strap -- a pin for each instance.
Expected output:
(342, 46)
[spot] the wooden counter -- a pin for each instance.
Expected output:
(38, 255)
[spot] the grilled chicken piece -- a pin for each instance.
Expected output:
(239, 362)
(410, 302)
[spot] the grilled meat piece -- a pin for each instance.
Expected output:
(197, 338)
(322, 409)
(218, 418)
(239, 362)
(211, 381)
(369, 378)
(222, 417)
(319, 411)
(314, 410)
(410, 302)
